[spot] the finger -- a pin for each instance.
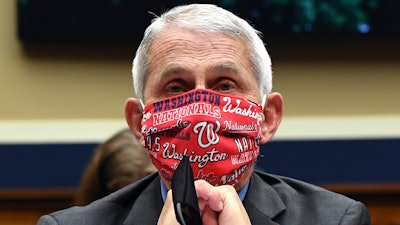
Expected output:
(209, 216)
(233, 212)
(167, 216)
(209, 194)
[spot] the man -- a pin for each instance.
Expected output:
(203, 81)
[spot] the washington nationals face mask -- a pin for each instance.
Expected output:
(219, 133)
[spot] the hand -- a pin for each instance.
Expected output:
(218, 205)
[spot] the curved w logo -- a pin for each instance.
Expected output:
(209, 131)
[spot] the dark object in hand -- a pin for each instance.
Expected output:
(184, 195)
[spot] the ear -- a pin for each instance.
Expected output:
(273, 113)
(133, 116)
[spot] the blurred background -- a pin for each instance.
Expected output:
(65, 75)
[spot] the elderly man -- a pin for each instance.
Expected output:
(203, 84)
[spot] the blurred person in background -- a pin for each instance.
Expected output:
(117, 162)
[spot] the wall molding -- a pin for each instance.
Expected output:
(339, 127)
(59, 131)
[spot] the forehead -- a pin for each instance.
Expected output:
(182, 46)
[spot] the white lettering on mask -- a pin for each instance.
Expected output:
(211, 133)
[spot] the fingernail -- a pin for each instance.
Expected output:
(221, 206)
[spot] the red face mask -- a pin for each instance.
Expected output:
(219, 133)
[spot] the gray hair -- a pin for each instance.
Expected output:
(204, 18)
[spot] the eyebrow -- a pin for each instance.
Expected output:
(224, 67)
(173, 70)
(214, 69)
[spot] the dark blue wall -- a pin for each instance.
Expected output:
(343, 161)
(43, 165)
(61, 165)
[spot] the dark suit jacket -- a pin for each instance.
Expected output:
(270, 199)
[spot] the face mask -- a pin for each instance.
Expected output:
(219, 133)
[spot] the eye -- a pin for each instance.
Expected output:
(174, 88)
(225, 85)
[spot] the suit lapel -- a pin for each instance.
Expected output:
(147, 207)
(262, 203)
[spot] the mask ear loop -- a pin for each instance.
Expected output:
(263, 101)
(141, 103)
